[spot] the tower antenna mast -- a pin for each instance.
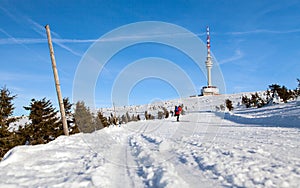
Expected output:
(208, 62)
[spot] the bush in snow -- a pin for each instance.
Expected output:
(128, 117)
(113, 120)
(282, 91)
(229, 104)
(246, 101)
(160, 115)
(222, 107)
(166, 112)
(148, 116)
(257, 101)
(254, 101)
(124, 119)
(134, 118)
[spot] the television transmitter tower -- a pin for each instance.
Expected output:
(209, 89)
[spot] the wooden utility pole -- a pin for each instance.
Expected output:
(57, 85)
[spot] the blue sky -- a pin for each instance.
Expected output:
(256, 43)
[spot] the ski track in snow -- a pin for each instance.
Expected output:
(245, 149)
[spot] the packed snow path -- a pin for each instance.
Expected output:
(202, 150)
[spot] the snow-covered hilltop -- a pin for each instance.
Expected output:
(249, 147)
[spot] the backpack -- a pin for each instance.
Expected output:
(176, 110)
(179, 109)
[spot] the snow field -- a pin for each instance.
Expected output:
(248, 148)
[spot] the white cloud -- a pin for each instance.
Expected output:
(238, 55)
(41, 30)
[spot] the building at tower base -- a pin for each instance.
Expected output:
(209, 90)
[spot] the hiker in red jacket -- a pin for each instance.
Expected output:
(177, 111)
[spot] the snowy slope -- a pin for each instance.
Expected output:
(246, 148)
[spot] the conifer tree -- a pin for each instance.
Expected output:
(166, 112)
(6, 109)
(67, 106)
(147, 116)
(229, 104)
(246, 101)
(282, 91)
(254, 99)
(84, 118)
(101, 121)
(73, 128)
(274, 88)
(128, 117)
(112, 119)
(298, 88)
(268, 96)
(160, 115)
(45, 125)
(7, 139)
(124, 119)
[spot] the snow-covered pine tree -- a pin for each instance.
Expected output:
(298, 92)
(229, 105)
(7, 139)
(73, 128)
(274, 88)
(6, 108)
(133, 118)
(166, 112)
(128, 117)
(124, 119)
(282, 91)
(298, 88)
(84, 118)
(254, 99)
(101, 121)
(246, 101)
(112, 119)
(67, 106)
(160, 115)
(45, 125)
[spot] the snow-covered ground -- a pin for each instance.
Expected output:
(256, 147)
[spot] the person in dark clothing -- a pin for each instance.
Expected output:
(177, 111)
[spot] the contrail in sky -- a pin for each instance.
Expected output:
(260, 31)
(36, 27)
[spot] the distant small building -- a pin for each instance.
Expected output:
(210, 90)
